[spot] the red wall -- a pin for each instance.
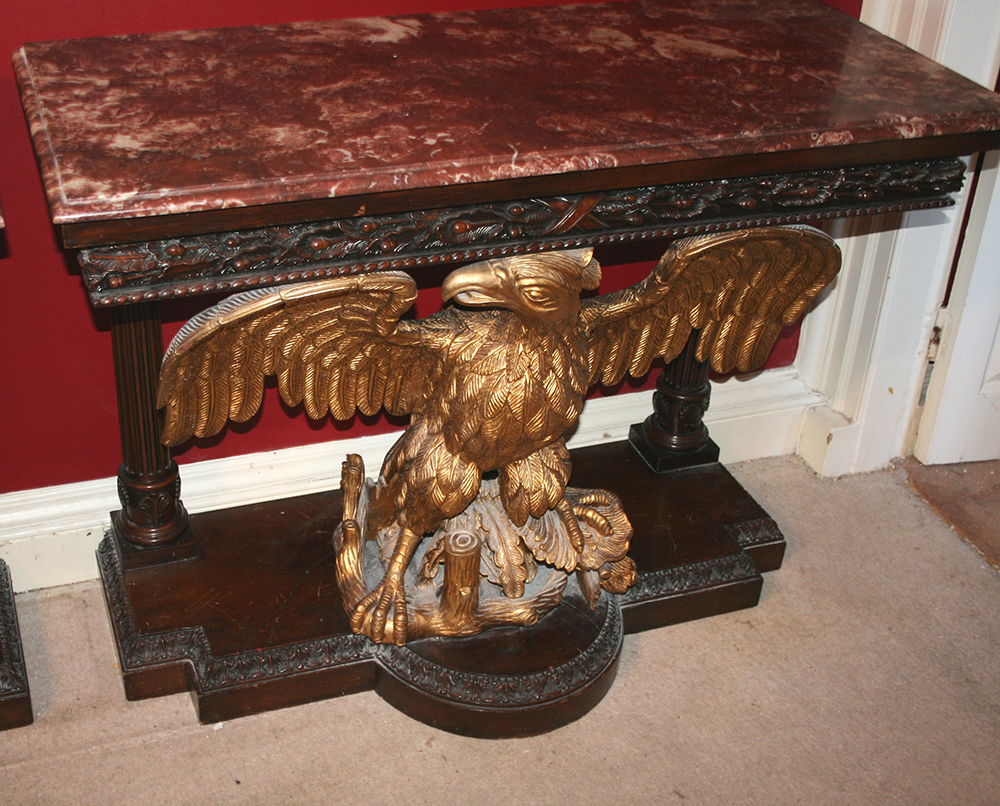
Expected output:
(58, 421)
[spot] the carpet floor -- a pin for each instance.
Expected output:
(868, 674)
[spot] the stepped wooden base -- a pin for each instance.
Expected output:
(254, 621)
(15, 699)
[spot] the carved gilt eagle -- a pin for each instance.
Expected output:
(492, 383)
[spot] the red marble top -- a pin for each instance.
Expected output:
(168, 123)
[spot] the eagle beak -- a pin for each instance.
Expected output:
(477, 285)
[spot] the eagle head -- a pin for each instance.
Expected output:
(543, 292)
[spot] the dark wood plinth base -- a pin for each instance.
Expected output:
(254, 621)
(133, 556)
(15, 699)
(508, 682)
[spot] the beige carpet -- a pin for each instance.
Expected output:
(868, 674)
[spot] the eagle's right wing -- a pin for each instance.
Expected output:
(336, 345)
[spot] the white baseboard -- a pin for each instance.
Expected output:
(48, 536)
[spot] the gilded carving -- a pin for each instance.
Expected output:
(478, 481)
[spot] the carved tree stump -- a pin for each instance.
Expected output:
(460, 594)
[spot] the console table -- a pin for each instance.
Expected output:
(189, 163)
(15, 698)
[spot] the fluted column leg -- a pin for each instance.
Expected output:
(148, 480)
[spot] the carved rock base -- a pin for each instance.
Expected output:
(491, 576)
(255, 621)
(15, 699)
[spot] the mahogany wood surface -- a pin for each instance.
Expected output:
(148, 480)
(508, 682)
(254, 621)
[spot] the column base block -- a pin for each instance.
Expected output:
(661, 460)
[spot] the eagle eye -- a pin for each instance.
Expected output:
(536, 294)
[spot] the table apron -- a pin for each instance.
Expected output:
(228, 261)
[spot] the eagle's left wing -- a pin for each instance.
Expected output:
(739, 289)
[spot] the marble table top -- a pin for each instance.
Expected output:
(172, 123)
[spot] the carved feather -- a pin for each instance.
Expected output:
(739, 289)
(335, 345)
(533, 485)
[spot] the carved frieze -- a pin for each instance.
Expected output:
(271, 255)
(695, 576)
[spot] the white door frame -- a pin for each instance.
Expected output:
(961, 418)
(864, 348)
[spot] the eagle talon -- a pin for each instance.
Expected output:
(569, 518)
(575, 515)
(381, 615)
(594, 519)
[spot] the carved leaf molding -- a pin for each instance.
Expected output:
(690, 577)
(223, 261)
(506, 690)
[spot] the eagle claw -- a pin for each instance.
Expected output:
(575, 514)
(381, 615)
